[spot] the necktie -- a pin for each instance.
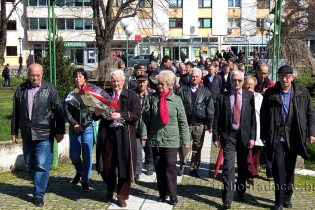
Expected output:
(236, 109)
(115, 98)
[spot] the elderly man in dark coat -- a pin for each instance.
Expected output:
(287, 119)
(116, 146)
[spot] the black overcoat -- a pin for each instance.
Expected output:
(129, 108)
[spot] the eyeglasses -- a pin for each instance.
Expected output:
(237, 80)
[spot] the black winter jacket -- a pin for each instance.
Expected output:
(78, 116)
(303, 121)
(47, 115)
(202, 109)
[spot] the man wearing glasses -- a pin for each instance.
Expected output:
(287, 119)
(234, 130)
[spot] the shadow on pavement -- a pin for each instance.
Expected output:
(20, 191)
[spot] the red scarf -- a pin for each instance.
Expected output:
(164, 107)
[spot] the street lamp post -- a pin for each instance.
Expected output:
(20, 58)
(247, 50)
(129, 29)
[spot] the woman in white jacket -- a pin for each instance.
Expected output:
(254, 153)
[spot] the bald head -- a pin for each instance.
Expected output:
(36, 74)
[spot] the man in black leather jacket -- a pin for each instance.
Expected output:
(38, 114)
(199, 110)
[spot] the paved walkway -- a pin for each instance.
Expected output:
(193, 193)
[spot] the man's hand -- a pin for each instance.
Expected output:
(78, 128)
(311, 140)
(14, 139)
(217, 144)
(116, 116)
(98, 112)
(59, 137)
(251, 144)
(186, 146)
(143, 141)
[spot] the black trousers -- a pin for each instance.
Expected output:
(148, 156)
(165, 168)
(283, 166)
(232, 147)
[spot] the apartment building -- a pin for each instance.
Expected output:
(15, 35)
(178, 28)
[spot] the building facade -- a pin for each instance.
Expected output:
(181, 29)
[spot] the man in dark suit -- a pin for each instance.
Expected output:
(226, 78)
(234, 128)
(116, 145)
(213, 81)
(287, 119)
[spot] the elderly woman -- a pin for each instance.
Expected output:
(254, 153)
(165, 125)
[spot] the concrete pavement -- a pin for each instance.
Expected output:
(193, 193)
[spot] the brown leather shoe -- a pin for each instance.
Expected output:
(122, 203)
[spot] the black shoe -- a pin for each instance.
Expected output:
(85, 186)
(109, 196)
(194, 173)
(227, 204)
(287, 205)
(173, 200)
(38, 202)
(76, 179)
(162, 199)
(240, 197)
(149, 172)
(276, 207)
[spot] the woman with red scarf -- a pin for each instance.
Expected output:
(165, 124)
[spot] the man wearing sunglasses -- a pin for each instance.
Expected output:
(287, 119)
(234, 130)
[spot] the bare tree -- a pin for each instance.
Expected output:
(108, 13)
(4, 17)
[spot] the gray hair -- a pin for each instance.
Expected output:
(119, 72)
(238, 73)
(168, 77)
(252, 78)
(261, 64)
(196, 70)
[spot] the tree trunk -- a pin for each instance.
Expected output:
(3, 31)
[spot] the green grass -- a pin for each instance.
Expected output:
(6, 98)
(310, 164)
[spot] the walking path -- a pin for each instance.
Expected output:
(193, 193)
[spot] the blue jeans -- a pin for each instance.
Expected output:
(82, 142)
(37, 155)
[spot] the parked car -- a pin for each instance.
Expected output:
(139, 59)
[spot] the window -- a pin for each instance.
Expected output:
(11, 26)
(61, 25)
(234, 23)
(11, 50)
(204, 3)
(145, 3)
(42, 3)
(176, 3)
(205, 22)
(260, 22)
(78, 23)
(263, 4)
(88, 24)
(70, 23)
(42, 23)
(234, 3)
(175, 23)
(32, 2)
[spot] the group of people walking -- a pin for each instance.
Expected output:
(170, 117)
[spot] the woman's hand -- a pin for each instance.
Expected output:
(186, 146)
